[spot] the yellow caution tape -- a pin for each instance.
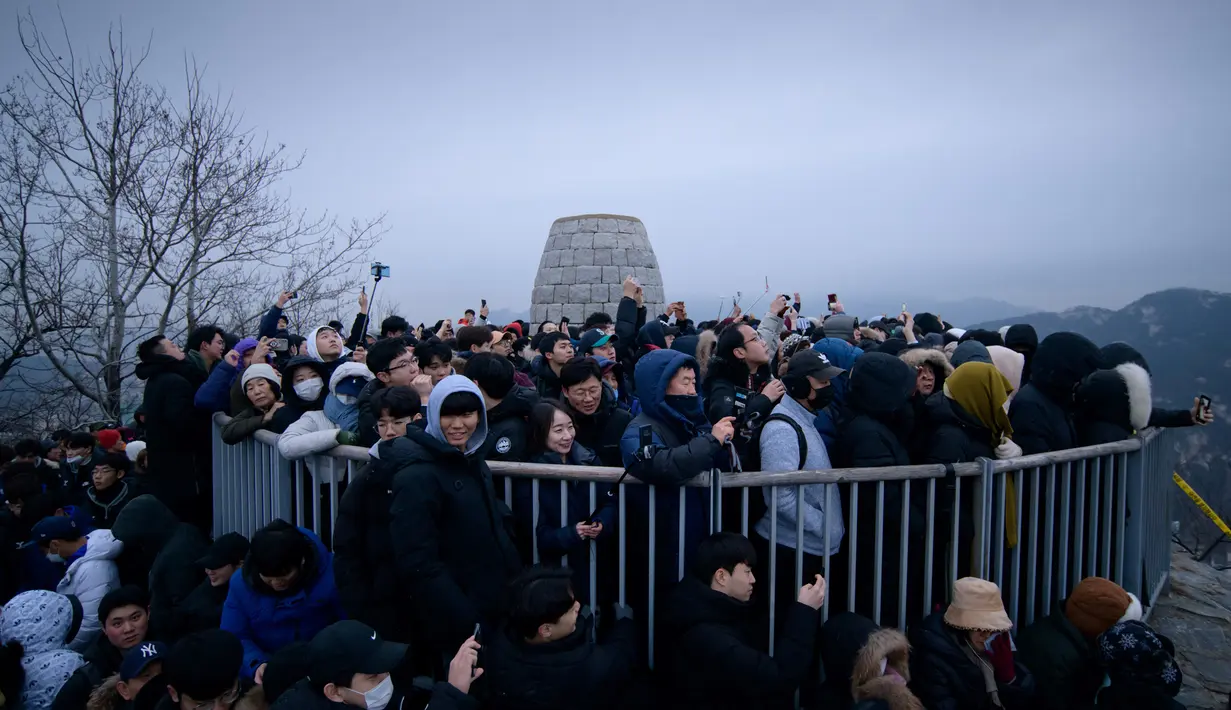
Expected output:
(1205, 508)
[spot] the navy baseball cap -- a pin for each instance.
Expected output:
(351, 385)
(55, 527)
(139, 658)
(595, 339)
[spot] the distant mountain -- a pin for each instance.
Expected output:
(1185, 335)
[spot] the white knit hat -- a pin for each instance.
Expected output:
(256, 370)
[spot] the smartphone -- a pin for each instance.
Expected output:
(833, 300)
(564, 320)
(484, 301)
(646, 439)
(294, 294)
(903, 306)
(379, 270)
(1206, 403)
(279, 345)
(479, 640)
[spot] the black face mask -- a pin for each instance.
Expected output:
(822, 398)
(686, 404)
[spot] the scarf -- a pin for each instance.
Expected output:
(985, 668)
(981, 390)
(345, 416)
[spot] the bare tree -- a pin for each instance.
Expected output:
(129, 215)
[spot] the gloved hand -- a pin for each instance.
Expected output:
(1008, 450)
(1001, 654)
(347, 438)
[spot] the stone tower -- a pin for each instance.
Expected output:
(584, 264)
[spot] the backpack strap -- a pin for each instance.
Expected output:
(799, 434)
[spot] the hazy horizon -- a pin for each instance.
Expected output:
(1049, 155)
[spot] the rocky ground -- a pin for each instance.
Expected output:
(1196, 615)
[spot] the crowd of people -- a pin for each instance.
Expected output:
(116, 595)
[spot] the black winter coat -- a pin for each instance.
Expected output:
(562, 675)
(546, 381)
(105, 506)
(873, 432)
(717, 658)
(177, 433)
(629, 319)
(1063, 662)
(363, 553)
(1135, 696)
(1041, 413)
(202, 610)
(507, 430)
(451, 543)
(601, 431)
(945, 678)
(721, 380)
(367, 418)
(172, 549)
(302, 696)
(952, 434)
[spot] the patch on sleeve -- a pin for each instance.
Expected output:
(503, 445)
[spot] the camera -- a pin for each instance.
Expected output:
(379, 270)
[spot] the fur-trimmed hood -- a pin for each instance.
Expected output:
(1119, 396)
(867, 680)
(936, 359)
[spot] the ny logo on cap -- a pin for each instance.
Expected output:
(148, 650)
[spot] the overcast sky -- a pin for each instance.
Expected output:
(1043, 153)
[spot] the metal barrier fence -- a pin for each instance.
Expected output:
(1034, 525)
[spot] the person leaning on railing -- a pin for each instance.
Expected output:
(263, 388)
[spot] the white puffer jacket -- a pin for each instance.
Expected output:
(89, 578)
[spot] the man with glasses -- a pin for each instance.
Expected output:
(394, 364)
(599, 419)
(741, 362)
(203, 672)
(367, 584)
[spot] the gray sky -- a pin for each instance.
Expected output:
(1047, 153)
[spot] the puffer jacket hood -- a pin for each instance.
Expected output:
(310, 343)
(1119, 353)
(1120, 396)
(1022, 338)
(43, 623)
(652, 334)
(841, 327)
(446, 387)
(686, 344)
(1061, 361)
(289, 396)
(880, 384)
(970, 351)
(349, 369)
(918, 357)
(842, 354)
(145, 523)
(100, 545)
(853, 647)
(653, 373)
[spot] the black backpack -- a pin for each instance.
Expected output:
(751, 460)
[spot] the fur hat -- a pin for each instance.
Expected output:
(1098, 604)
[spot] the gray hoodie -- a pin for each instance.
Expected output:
(446, 387)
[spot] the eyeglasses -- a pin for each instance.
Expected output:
(755, 339)
(226, 699)
(408, 363)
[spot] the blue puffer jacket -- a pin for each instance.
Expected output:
(842, 354)
(215, 394)
(265, 621)
(684, 448)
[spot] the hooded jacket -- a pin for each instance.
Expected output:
(89, 578)
(316, 431)
(970, 351)
(102, 661)
(1042, 412)
(843, 355)
(1063, 661)
(310, 344)
(507, 427)
(450, 536)
(172, 549)
(841, 327)
(265, 620)
(716, 657)
(945, 678)
(629, 319)
(1120, 353)
(853, 648)
(1112, 405)
(878, 425)
(363, 551)
(721, 380)
(43, 623)
(561, 675)
(1022, 338)
(296, 404)
(177, 433)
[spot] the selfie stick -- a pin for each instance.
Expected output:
(366, 317)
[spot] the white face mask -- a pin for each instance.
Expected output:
(54, 558)
(378, 698)
(75, 459)
(309, 390)
(347, 399)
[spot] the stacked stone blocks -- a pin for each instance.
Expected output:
(584, 263)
